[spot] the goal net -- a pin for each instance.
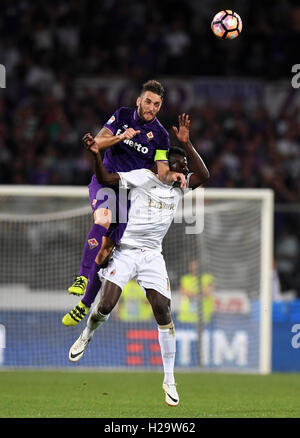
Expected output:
(220, 279)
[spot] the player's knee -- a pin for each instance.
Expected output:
(103, 216)
(160, 307)
(162, 314)
(106, 305)
(105, 308)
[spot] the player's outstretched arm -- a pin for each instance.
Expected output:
(105, 139)
(103, 177)
(201, 174)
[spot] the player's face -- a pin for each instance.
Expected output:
(178, 163)
(148, 105)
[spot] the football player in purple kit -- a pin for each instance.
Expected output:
(132, 138)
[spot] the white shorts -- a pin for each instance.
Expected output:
(147, 267)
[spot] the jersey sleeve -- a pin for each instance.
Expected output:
(162, 149)
(134, 178)
(112, 123)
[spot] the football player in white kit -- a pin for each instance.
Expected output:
(138, 255)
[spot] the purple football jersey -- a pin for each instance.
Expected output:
(139, 152)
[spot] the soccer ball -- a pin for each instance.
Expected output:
(226, 25)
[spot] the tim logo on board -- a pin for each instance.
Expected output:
(217, 349)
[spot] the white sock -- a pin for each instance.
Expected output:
(167, 342)
(94, 321)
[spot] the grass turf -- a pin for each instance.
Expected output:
(63, 394)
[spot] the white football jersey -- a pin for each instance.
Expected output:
(152, 210)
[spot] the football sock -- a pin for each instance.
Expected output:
(94, 321)
(93, 287)
(91, 248)
(167, 342)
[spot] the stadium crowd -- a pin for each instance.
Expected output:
(41, 135)
(47, 46)
(133, 37)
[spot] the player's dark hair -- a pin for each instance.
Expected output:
(154, 87)
(174, 150)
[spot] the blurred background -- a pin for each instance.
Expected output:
(68, 68)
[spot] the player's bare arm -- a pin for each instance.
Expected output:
(182, 133)
(103, 177)
(105, 139)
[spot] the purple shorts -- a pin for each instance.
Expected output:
(114, 199)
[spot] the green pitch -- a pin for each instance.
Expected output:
(68, 394)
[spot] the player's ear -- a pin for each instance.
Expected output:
(138, 101)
